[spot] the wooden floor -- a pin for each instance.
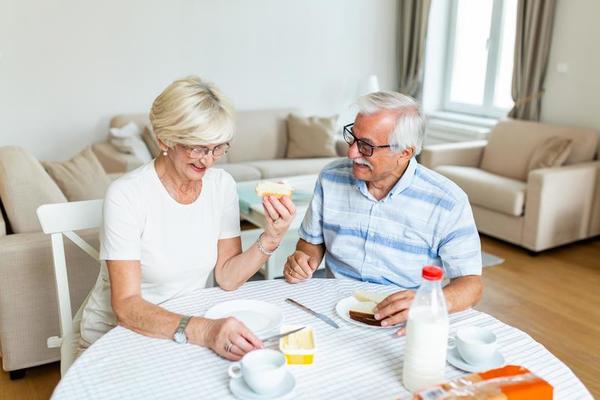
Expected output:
(553, 296)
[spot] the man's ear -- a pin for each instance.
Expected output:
(407, 153)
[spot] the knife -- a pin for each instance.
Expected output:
(281, 335)
(322, 317)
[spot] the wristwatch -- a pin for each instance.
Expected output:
(179, 336)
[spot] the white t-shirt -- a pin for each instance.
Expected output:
(175, 243)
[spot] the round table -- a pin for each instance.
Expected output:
(350, 362)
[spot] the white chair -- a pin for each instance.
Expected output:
(57, 220)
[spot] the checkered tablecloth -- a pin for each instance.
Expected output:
(351, 362)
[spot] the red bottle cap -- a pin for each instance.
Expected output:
(432, 273)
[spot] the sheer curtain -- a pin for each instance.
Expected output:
(532, 46)
(412, 29)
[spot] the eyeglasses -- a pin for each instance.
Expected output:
(203, 151)
(364, 148)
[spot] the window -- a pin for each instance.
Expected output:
(478, 76)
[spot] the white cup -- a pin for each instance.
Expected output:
(476, 345)
(263, 370)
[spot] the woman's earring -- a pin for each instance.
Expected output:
(165, 153)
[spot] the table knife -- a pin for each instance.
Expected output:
(281, 335)
(322, 317)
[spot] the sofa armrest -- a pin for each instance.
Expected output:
(28, 306)
(559, 204)
(595, 219)
(341, 147)
(112, 160)
(466, 154)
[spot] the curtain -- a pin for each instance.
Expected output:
(412, 29)
(532, 47)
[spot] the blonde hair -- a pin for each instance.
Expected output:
(410, 125)
(191, 111)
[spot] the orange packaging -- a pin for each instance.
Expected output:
(507, 383)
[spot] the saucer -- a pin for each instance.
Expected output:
(457, 361)
(242, 391)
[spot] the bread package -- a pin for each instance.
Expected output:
(511, 382)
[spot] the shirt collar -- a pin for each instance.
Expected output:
(403, 183)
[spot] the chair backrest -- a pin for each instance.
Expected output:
(63, 219)
(512, 142)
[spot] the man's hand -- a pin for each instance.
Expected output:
(394, 309)
(299, 267)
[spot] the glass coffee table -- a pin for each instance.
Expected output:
(251, 210)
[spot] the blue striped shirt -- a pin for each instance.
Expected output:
(425, 219)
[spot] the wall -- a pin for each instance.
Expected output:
(572, 97)
(67, 66)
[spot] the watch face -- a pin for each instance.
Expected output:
(180, 338)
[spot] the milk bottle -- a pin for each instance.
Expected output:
(426, 334)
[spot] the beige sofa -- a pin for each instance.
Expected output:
(537, 209)
(28, 310)
(258, 149)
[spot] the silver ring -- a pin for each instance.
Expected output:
(228, 347)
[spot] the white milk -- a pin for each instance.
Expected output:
(426, 347)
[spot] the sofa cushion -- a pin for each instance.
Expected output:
(260, 135)
(311, 136)
(512, 142)
(487, 190)
(241, 172)
(552, 153)
(290, 167)
(2, 226)
(80, 178)
(127, 139)
(24, 186)
(151, 142)
(140, 119)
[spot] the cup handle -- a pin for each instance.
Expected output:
(234, 371)
(451, 342)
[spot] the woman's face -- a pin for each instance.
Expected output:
(192, 162)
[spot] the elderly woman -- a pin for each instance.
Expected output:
(171, 222)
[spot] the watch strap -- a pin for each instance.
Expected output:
(183, 323)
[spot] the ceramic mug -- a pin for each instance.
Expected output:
(263, 370)
(476, 345)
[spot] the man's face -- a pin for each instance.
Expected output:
(375, 129)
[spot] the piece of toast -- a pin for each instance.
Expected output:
(361, 295)
(274, 189)
(363, 312)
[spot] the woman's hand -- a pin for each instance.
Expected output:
(230, 338)
(279, 214)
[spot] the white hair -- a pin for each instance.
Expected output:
(191, 111)
(410, 125)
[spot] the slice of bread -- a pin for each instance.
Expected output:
(362, 311)
(369, 296)
(274, 189)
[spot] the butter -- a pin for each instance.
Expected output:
(298, 348)
(299, 340)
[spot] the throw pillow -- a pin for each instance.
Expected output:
(80, 178)
(311, 136)
(552, 153)
(151, 142)
(127, 140)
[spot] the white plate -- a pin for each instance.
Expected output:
(259, 316)
(345, 304)
(241, 390)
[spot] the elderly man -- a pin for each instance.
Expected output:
(379, 216)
